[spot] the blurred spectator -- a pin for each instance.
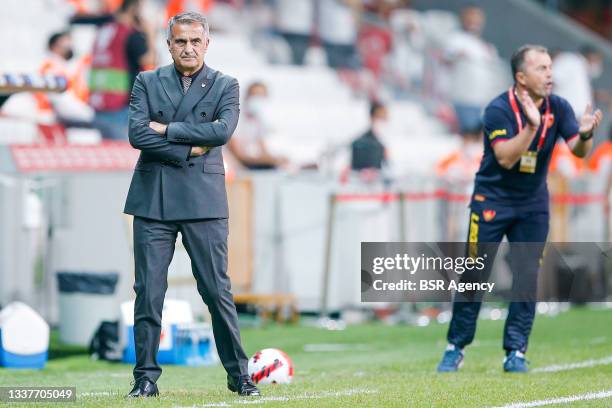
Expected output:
(122, 49)
(463, 163)
(471, 62)
(407, 56)
(248, 144)
(600, 165)
(295, 23)
(456, 171)
(601, 160)
(338, 26)
(573, 73)
(91, 8)
(68, 108)
(367, 151)
(174, 7)
(375, 38)
(563, 162)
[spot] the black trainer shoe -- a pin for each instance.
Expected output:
(144, 388)
(242, 385)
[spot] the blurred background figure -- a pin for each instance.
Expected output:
(295, 23)
(564, 163)
(601, 160)
(462, 163)
(407, 55)
(93, 12)
(123, 48)
(573, 75)
(174, 7)
(69, 108)
(338, 23)
(368, 151)
(471, 60)
(248, 144)
(600, 165)
(456, 173)
(375, 37)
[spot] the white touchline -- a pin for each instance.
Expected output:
(572, 366)
(561, 400)
(262, 400)
(345, 393)
(96, 394)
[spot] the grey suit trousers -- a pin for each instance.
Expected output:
(206, 244)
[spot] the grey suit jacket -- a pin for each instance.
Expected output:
(167, 184)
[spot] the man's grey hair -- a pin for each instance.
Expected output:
(517, 61)
(187, 18)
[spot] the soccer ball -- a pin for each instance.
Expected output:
(270, 366)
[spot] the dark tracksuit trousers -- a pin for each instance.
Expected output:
(526, 231)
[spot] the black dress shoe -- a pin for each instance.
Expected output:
(144, 388)
(242, 385)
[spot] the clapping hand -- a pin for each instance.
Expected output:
(589, 121)
(531, 110)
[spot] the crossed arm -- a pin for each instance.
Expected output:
(179, 140)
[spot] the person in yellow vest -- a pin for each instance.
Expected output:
(85, 8)
(456, 173)
(123, 48)
(462, 163)
(68, 108)
(600, 165)
(601, 160)
(563, 162)
(174, 7)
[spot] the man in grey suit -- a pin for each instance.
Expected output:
(180, 115)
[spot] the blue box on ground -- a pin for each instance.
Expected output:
(190, 344)
(182, 341)
(24, 337)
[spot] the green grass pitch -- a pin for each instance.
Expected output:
(382, 366)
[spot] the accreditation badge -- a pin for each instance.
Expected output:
(528, 162)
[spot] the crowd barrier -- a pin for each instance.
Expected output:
(290, 233)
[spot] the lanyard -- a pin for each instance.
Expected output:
(519, 121)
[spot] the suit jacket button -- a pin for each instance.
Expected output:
(203, 114)
(191, 164)
(160, 113)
